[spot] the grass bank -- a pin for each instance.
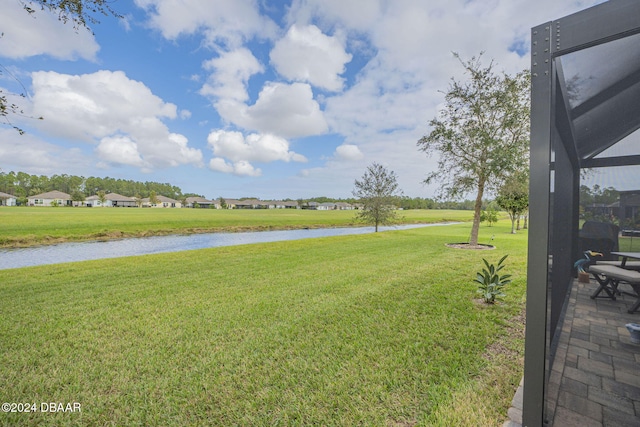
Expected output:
(378, 329)
(25, 226)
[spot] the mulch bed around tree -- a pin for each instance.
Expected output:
(479, 246)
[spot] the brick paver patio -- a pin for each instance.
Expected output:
(595, 379)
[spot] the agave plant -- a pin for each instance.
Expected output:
(491, 282)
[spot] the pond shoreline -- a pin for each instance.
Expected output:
(127, 247)
(107, 236)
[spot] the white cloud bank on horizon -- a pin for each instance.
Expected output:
(122, 115)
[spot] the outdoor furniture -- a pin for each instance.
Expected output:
(599, 237)
(629, 265)
(624, 263)
(610, 276)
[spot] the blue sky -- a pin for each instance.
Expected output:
(238, 98)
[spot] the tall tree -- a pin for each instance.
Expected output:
(78, 197)
(481, 134)
(378, 192)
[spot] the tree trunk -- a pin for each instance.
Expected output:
(526, 217)
(518, 223)
(475, 228)
(513, 224)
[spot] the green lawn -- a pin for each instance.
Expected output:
(23, 226)
(374, 330)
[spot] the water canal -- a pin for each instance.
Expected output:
(84, 251)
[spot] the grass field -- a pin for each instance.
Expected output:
(374, 330)
(24, 226)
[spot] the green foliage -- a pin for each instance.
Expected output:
(23, 184)
(77, 196)
(480, 135)
(489, 215)
(153, 198)
(513, 196)
(491, 282)
(378, 192)
(80, 12)
(102, 196)
(595, 205)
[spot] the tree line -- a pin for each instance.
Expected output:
(23, 185)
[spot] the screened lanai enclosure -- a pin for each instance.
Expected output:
(581, 368)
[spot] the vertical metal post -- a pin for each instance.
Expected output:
(541, 128)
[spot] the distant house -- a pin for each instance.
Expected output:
(163, 202)
(111, 200)
(251, 204)
(343, 206)
(284, 205)
(94, 201)
(230, 203)
(201, 202)
(7, 199)
(50, 198)
(327, 206)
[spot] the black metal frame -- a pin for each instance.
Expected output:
(563, 141)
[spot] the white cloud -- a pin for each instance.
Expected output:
(306, 54)
(230, 74)
(107, 104)
(263, 148)
(53, 38)
(240, 168)
(379, 103)
(348, 152)
(219, 164)
(358, 15)
(226, 23)
(241, 151)
(281, 109)
(287, 110)
(120, 150)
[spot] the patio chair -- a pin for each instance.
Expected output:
(610, 276)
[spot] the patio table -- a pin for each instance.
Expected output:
(612, 275)
(625, 256)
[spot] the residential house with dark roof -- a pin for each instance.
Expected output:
(201, 202)
(112, 200)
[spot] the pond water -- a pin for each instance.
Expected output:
(83, 251)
